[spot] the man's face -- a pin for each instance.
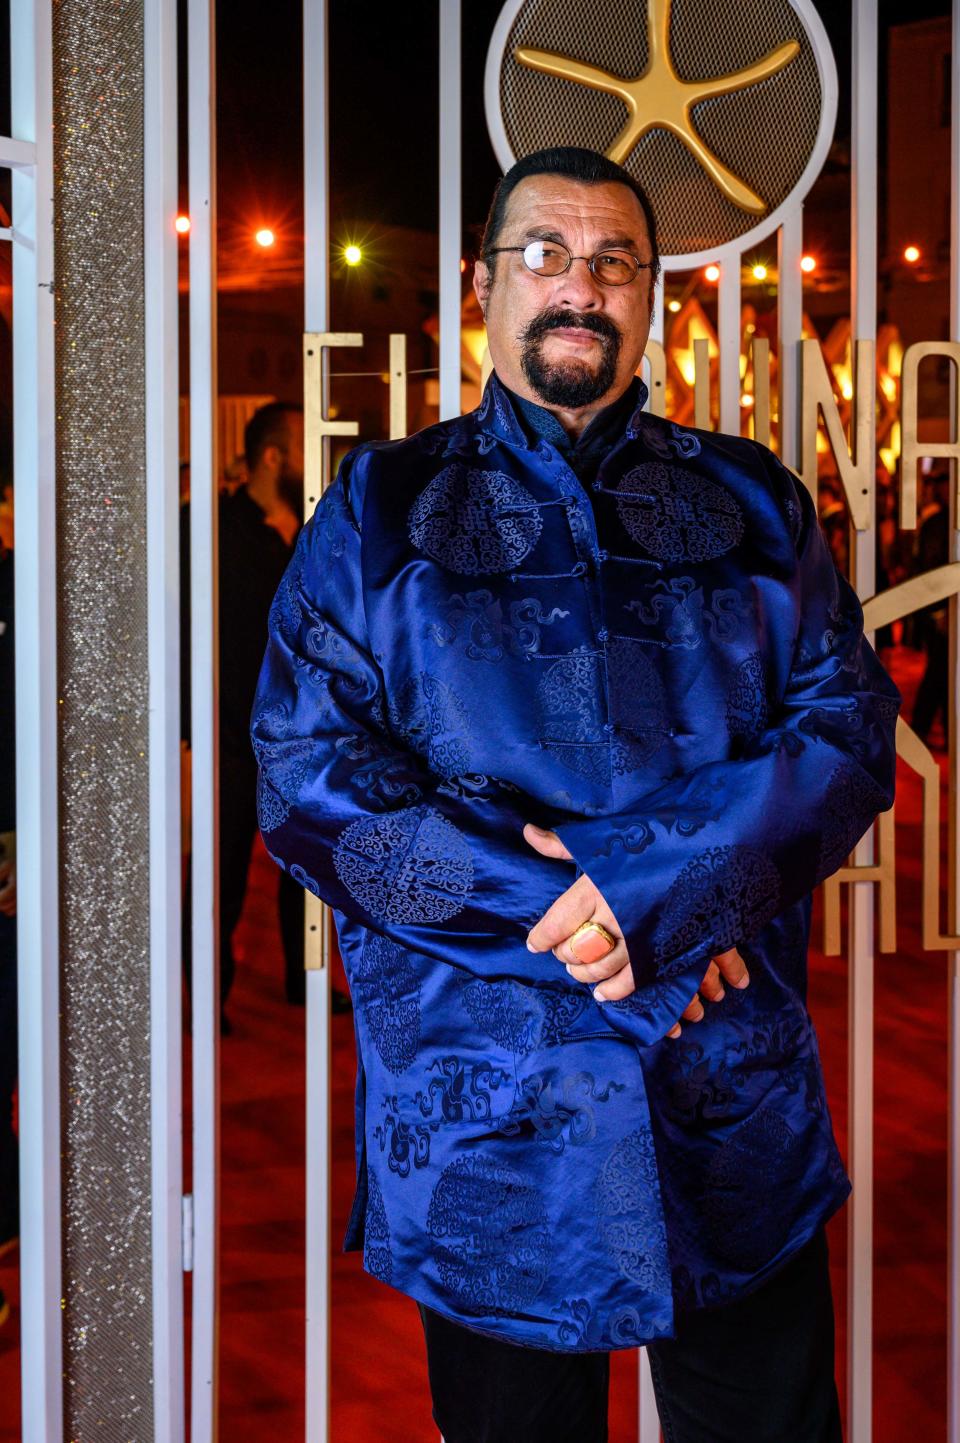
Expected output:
(290, 459)
(567, 341)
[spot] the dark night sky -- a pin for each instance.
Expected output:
(383, 101)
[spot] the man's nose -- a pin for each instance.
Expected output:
(578, 287)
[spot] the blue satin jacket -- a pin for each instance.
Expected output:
(666, 668)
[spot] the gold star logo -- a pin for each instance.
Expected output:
(659, 100)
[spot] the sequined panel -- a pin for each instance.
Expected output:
(102, 664)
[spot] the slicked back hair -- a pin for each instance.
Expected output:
(268, 426)
(588, 167)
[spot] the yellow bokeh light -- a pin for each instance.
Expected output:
(759, 272)
(911, 254)
(265, 237)
(353, 255)
(712, 273)
(808, 263)
(182, 224)
(673, 306)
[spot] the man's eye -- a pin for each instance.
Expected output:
(613, 261)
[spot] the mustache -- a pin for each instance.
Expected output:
(557, 318)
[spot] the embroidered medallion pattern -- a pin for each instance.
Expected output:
(746, 708)
(520, 1017)
(475, 522)
(723, 894)
(678, 515)
(377, 1258)
(405, 867)
(760, 1160)
(386, 992)
(431, 719)
(628, 1208)
(491, 1236)
(852, 800)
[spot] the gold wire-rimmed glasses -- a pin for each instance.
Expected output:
(610, 266)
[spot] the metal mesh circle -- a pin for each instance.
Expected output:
(765, 133)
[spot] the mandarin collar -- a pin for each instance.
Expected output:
(497, 415)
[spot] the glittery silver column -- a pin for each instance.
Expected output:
(102, 663)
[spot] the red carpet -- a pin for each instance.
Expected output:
(379, 1377)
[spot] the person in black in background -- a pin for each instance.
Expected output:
(9, 1168)
(259, 523)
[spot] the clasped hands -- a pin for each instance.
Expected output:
(583, 902)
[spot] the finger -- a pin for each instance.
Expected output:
(616, 988)
(593, 972)
(547, 843)
(564, 916)
(564, 951)
(711, 988)
(694, 1012)
(733, 968)
(674, 1030)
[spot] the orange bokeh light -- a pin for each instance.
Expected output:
(911, 254)
(808, 263)
(182, 224)
(265, 237)
(712, 273)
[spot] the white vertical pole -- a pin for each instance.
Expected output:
(860, 948)
(656, 334)
(316, 203)
(163, 603)
(790, 307)
(648, 1430)
(728, 317)
(450, 235)
(203, 720)
(34, 460)
(953, 1279)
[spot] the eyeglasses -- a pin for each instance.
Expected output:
(550, 258)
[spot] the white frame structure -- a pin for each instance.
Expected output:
(29, 155)
(203, 1213)
(163, 631)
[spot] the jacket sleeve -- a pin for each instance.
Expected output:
(436, 863)
(710, 857)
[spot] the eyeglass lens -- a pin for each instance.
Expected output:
(549, 258)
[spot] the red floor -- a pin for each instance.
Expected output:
(379, 1382)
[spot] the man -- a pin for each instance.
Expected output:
(259, 523)
(565, 711)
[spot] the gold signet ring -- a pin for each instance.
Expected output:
(596, 942)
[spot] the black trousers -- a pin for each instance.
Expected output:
(238, 827)
(758, 1370)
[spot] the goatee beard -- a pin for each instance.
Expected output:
(570, 384)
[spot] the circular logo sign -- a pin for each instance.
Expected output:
(724, 113)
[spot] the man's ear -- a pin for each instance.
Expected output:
(482, 282)
(273, 458)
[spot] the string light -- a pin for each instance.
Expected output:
(353, 255)
(182, 224)
(808, 263)
(673, 306)
(911, 254)
(759, 272)
(265, 237)
(712, 273)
